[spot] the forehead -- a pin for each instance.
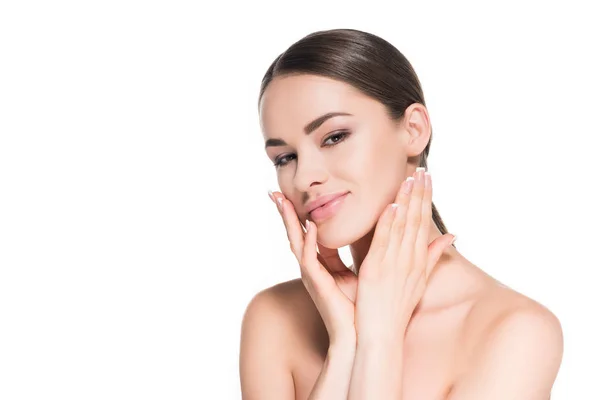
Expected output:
(290, 102)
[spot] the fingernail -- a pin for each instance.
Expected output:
(408, 185)
(307, 225)
(280, 203)
(453, 240)
(271, 196)
(420, 169)
(427, 180)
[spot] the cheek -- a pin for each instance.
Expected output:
(380, 170)
(285, 181)
(285, 185)
(357, 157)
(372, 161)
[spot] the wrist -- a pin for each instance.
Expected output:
(381, 344)
(377, 371)
(383, 357)
(340, 347)
(385, 338)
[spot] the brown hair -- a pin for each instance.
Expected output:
(363, 60)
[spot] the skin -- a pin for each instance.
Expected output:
(463, 315)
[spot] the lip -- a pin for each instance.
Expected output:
(322, 200)
(330, 205)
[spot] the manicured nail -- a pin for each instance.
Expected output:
(453, 240)
(280, 203)
(420, 174)
(271, 196)
(408, 185)
(307, 225)
(427, 180)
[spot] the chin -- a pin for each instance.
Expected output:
(341, 230)
(332, 242)
(335, 235)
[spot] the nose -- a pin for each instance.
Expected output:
(310, 170)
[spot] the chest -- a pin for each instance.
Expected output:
(432, 355)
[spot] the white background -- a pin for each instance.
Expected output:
(135, 225)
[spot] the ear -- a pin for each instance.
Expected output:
(416, 124)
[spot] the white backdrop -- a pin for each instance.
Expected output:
(135, 224)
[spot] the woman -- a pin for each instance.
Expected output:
(345, 124)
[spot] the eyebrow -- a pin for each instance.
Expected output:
(308, 129)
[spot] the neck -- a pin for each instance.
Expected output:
(360, 248)
(453, 278)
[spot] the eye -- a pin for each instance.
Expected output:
(340, 136)
(278, 162)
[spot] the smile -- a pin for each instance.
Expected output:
(328, 209)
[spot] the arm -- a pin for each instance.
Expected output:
(334, 379)
(265, 370)
(518, 360)
(393, 279)
(377, 370)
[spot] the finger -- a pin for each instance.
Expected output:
(332, 259)
(413, 220)
(271, 196)
(422, 241)
(314, 271)
(397, 229)
(380, 240)
(435, 251)
(293, 228)
(296, 235)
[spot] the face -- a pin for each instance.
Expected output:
(362, 153)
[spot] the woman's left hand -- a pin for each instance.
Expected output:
(393, 276)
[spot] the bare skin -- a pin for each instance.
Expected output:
(462, 317)
(439, 341)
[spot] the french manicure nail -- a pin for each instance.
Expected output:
(408, 185)
(280, 203)
(271, 196)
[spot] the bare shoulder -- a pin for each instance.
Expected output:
(275, 313)
(294, 306)
(506, 334)
(501, 306)
(304, 323)
(276, 320)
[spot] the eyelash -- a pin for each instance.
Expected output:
(342, 134)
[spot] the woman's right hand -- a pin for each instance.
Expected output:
(330, 284)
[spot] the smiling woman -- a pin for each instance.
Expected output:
(345, 124)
